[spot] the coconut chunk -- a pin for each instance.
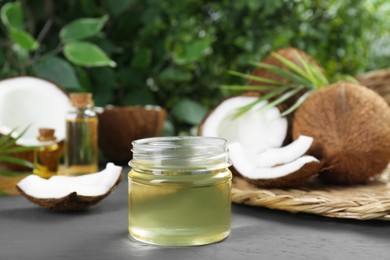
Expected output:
(70, 192)
(285, 154)
(256, 130)
(34, 102)
(297, 171)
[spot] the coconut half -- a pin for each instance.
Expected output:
(34, 102)
(256, 130)
(68, 193)
(254, 141)
(277, 167)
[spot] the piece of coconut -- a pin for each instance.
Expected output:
(32, 102)
(256, 130)
(293, 173)
(286, 154)
(70, 193)
(350, 125)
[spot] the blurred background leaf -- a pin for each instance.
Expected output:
(12, 15)
(57, 70)
(82, 28)
(87, 54)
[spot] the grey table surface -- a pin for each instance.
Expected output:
(29, 232)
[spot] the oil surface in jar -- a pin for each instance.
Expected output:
(180, 210)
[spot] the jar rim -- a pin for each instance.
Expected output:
(180, 154)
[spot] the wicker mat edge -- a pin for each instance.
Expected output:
(363, 202)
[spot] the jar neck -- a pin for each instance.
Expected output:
(181, 155)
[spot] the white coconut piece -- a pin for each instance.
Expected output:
(286, 154)
(249, 169)
(256, 130)
(91, 185)
(34, 102)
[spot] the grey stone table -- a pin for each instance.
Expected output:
(29, 232)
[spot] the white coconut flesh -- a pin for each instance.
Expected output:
(256, 130)
(28, 101)
(91, 185)
(279, 164)
(288, 153)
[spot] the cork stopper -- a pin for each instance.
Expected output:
(80, 100)
(46, 134)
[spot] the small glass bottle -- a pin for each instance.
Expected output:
(47, 154)
(81, 143)
(179, 191)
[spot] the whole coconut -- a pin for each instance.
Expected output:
(350, 125)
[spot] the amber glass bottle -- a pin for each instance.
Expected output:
(81, 144)
(47, 154)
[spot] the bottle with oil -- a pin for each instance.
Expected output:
(179, 191)
(81, 144)
(47, 154)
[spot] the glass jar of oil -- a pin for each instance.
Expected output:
(179, 191)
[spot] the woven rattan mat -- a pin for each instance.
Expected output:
(370, 201)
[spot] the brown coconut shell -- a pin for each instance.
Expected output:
(119, 126)
(350, 125)
(72, 202)
(377, 80)
(301, 177)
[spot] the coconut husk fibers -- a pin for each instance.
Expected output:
(71, 202)
(377, 80)
(350, 125)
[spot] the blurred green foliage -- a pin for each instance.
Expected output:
(176, 53)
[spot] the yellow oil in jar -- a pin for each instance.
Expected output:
(179, 209)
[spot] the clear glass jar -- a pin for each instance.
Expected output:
(179, 191)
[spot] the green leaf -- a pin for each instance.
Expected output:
(104, 82)
(299, 102)
(193, 51)
(254, 78)
(284, 73)
(7, 137)
(142, 58)
(294, 67)
(82, 28)
(175, 74)
(189, 111)
(24, 40)
(57, 70)
(249, 87)
(87, 54)
(139, 96)
(3, 193)
(17, 149)
(118, 6)
(282, 98)
(242, 110)
(169, 128)
(15, 160)
(11, 141)
(12, 173)
(12, 15)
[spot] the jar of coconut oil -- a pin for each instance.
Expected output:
(179, 191)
